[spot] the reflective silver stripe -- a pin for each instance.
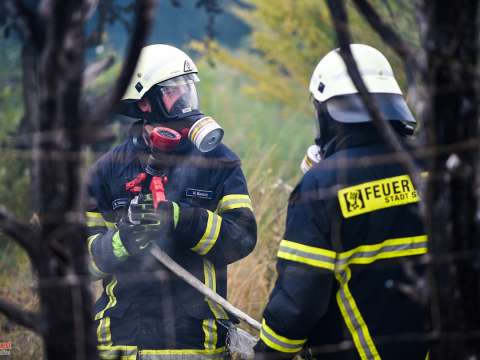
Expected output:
(307, 255)
(210, 332)
(117, 354)
(229, 203)
(282, 344)
(354, 320)
(355, 323)
(385, 249)
(181, 357)
(211, 282)
(104, 334)
(217, 354)
(210, 237)
(364, 254)
(357, 326)
(234, 201)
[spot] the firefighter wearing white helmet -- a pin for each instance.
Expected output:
(336, 99)
(351, 222)
(166, 77)
(162, 92)
(204, 219)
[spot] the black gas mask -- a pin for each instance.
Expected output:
(174, 112)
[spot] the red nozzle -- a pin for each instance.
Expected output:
(134, 185)
(164, 139)
(157, 187)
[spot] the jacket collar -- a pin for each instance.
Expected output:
(352, 139)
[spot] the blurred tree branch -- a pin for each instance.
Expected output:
(54, 73)
(390, 36)
(450, 33)
(143, 21)
(22, 317)
(21, 233)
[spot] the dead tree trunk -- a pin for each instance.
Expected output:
(53, 69)
(57, 149)
(452, 130)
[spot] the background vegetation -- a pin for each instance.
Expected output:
(256, 91)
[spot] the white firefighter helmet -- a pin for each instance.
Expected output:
(331, 84)
(157, 64)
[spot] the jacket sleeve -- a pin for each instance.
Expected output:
(305, 266)
(227, 234)
(101, 228)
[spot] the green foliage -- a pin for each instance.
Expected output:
(253, 128)
(290, 37)
(10, 90)
(16, 278)
(13, 172)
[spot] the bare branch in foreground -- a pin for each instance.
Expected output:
(143, 22)
(20, 232)
(24, 318)
(389, 35)
(340, 21)
(96, 69)
(414, 63)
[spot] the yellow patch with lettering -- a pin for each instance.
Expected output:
(376, 195)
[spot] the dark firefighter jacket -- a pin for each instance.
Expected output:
(352, 220)
(144, 308)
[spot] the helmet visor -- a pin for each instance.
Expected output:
(350, 108)
(179, 95)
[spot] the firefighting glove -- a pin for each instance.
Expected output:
(160, 221)
(130, 239)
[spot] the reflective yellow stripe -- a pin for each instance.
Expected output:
(112, 300)
(90, 240)
(110, 225)
(94, 219)
(279, 342)
(354, 320)
(92, 267)
(117, 352)
(211, 282)
(181, 354)
(210, 236)
(125, 352)
(327, 259)
(209, 327)
(392, 248)
(104, 334)
(234, 201)
(376, 195)
(309, 255)
(364, 254)
(428, 356)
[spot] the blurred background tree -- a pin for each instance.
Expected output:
(289, 37)
(263, 54)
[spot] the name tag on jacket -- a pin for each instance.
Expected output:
(199, 194)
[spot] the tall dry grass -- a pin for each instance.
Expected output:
(17, 285)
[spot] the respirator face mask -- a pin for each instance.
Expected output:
(175, 101)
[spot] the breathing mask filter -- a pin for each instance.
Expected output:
(205, 134)
(312, 157)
